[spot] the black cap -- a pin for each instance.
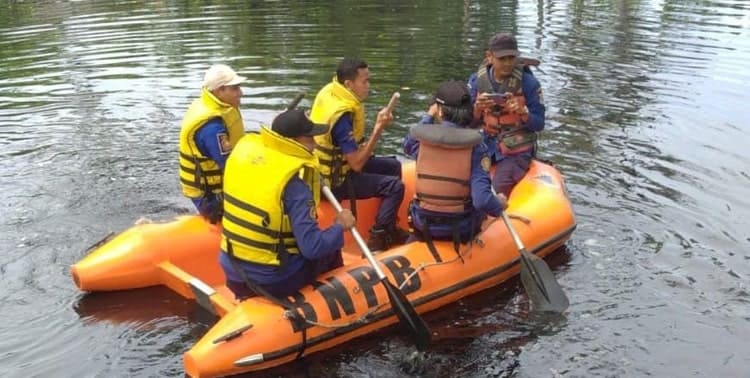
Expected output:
(294, 123)
(453, 93)
(503, 44)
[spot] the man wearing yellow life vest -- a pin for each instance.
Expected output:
(348, 163)
(453, 187)
(508, 103)
(210, 129)
(271, 241)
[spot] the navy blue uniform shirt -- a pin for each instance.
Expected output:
(342, 134)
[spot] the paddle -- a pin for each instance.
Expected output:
(293, 104)
(545, 294)
(405, 312)
(295, 101)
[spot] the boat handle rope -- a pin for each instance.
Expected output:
(522, 218)
(422, 266)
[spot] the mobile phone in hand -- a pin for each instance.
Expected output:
(499, 98)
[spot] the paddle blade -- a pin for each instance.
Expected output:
(408, 316)
(545, 294)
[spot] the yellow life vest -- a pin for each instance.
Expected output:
(255, 223)
(330, 104)
(198, 173)
(443, 168)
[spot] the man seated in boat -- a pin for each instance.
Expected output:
(509, 105)
(211, 127)
(453, 186)
(348, 163)
(271, 241)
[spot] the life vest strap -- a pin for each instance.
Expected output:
(247, 207)
(193, 157)
(443, 178)
(255, 228)
(271, 247)
(210, 172)
(207, 187)
(426, 236)
(329, 151)
(422, 196)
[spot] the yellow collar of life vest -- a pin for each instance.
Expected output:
(292, 148)
(208, 98)
(345, 101)
(287, 146)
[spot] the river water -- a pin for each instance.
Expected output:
(645, 120)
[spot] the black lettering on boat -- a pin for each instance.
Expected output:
(336, 295)
(295, 303)
(401, 268)
(367, 279)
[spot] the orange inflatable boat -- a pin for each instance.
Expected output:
(344, 303)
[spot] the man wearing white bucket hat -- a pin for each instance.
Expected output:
(211, 127)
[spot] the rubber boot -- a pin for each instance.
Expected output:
(398, 236)
(378, 240)
(384, 238)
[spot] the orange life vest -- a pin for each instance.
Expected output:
(444, 167)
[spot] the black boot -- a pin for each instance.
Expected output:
(398, 236)
(384, 238)
(378, 240)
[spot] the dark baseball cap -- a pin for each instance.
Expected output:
(503, 44)
(453, 93)
(295, 123)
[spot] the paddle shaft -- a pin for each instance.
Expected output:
(525, 262)
(513, 233)
(293, 104)
(544, 292)
(361, 242)
(295, 101)
(401, 306)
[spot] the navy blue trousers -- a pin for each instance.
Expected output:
(304, 276)
(509, 171)
(380, 177)
(210, 206)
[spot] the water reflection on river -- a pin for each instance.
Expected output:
(645, 119)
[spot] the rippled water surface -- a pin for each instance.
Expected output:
(646, 119)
